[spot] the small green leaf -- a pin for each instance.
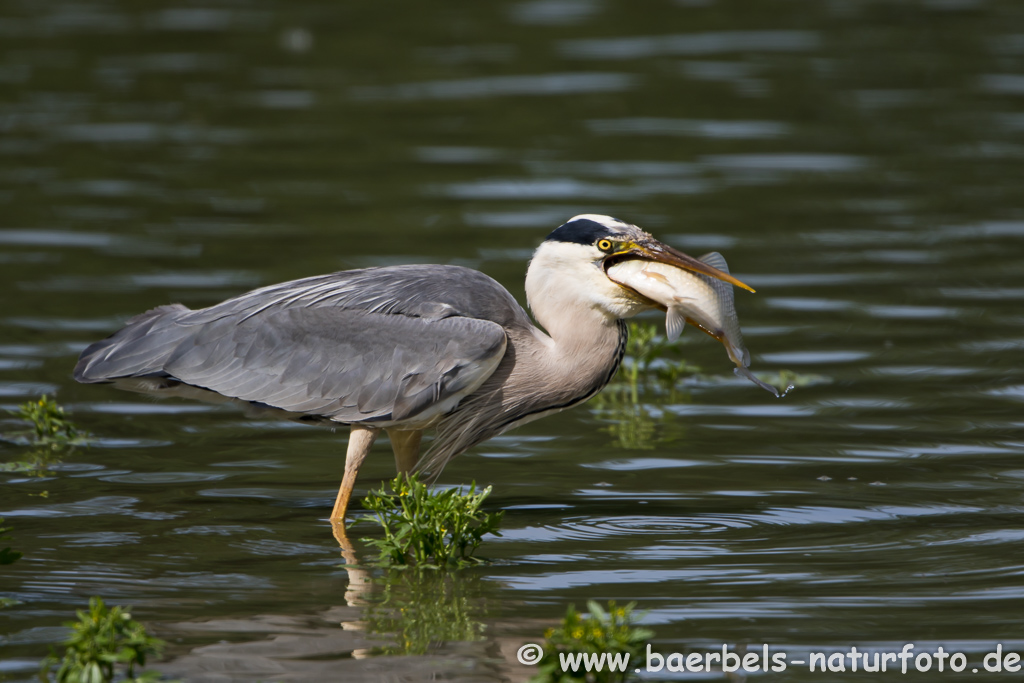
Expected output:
(104, 644)
(604, 630)
(436, 528)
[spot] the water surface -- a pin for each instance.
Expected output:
(859, 163)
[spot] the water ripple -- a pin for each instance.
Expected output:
(806, 163)
(101, 505)
(553, 12)
(726, 130)
(181, 279)
(218, 530)
(690, 44)
(500, 86)
(99, 538)
(630, 464)
(709, 575)
(814, 357)
(163, 478)
(271, 548)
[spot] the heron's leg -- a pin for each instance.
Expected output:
(359, 443)
(406, 445)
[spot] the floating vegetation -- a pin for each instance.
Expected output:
(429, 528)
(421, 609)
(51, 434)
(49, 425)
(104, 644)
(606, 635)
(784, 378)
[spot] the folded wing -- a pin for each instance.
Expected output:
(377, 345)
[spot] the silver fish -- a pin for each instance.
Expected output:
(701, 300)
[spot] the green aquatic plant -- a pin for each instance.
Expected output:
(784, 379)
(49, 423)
(648, 373)
(37, 463)
(429, 528)
(652, 375)
(420, 609)
(634, 427)
(644, 346)
(604, 632)
(52, 434)
(104, 644)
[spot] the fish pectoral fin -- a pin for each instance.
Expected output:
(674, 323)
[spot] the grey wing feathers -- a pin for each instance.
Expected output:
(421, 291)
(136, 350)
(374, 345)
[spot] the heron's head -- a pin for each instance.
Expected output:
(573, 262)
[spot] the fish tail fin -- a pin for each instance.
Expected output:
(747, 374)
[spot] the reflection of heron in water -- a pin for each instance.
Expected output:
(404, 348)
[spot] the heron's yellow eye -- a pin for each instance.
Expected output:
(604, 245)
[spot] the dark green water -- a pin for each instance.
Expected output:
(860, 163)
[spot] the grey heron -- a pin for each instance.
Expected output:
(403, 348)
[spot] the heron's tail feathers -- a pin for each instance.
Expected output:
(138, 349)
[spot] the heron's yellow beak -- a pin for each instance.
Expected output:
(653, 250)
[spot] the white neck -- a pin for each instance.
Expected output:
(570, 295)
(562, 305)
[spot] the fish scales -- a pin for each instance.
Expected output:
(700, 300)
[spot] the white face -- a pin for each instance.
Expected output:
(566, 274)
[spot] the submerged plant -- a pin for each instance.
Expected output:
(604, 633)
(429, 528)
(639, 369)
(104, 643)
(37, 463)
(641, 348)
(420, 609)
(645, 373)
(633, 426)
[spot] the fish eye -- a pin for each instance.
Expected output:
(604, 245)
